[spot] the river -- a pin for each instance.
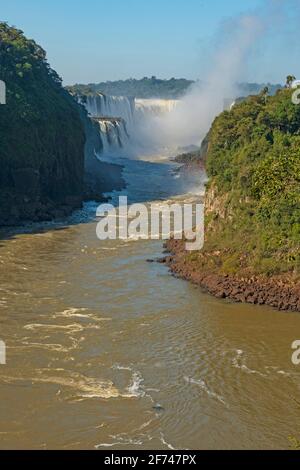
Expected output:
(105, 350)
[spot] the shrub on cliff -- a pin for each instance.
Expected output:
(253, 161)
(41, 135)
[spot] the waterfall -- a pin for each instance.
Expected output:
(113, 132)
(154, 107)
(120, 118)
(100, 105)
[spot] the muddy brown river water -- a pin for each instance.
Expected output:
(105, 350)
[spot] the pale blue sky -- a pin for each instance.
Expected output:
(97, 40)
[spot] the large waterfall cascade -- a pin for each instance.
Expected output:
(119, 117)
(113, 132)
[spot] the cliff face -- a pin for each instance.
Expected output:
(252, 207)
(100, 177)
(253, 198)
(41, 136)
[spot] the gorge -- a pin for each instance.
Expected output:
(104, 349)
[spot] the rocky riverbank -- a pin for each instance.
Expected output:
(251, 250)
(280, 292)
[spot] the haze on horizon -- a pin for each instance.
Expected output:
(96, 41)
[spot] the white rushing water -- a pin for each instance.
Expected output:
(114, 134)
(100, 105)
(122, 119)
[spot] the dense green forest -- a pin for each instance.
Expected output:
(253, 197)
(145, 88)
(41, 135)
(156, 88)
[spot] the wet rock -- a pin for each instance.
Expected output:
(158, 407)
(162, 260)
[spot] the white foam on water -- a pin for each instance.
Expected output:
(135, 389)
(122, 442)
(206, 389)
(69, 329)
(74, 328)
(163, 440)
(75, 313)
(238, 363)
(81, 386)
(48, 347)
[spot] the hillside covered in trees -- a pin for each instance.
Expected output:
(253, 161)
(156, 88)
(41, 135)
(253, 200)
(144, 88)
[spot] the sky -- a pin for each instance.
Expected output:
(98, 40)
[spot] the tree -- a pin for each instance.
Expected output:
(289, 80)
(264, 93)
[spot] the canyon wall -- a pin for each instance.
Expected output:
(48, 145)
(41, 136)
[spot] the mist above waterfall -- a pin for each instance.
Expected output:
(122, 120)
(156, 124)
(191, 119)
(234, 47)
(145, 125)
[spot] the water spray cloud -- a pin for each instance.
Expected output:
(235, 44)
